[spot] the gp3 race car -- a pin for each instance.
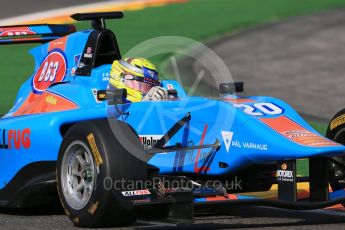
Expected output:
(112, 162)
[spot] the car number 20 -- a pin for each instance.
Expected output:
(260, 109)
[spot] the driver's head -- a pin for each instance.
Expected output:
(136, 75)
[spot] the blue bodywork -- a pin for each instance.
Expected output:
(245, 127)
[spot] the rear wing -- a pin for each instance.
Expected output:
(33, 33)
(48, 32)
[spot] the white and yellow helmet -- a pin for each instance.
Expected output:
(136, 75)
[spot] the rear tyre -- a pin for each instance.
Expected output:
(89, 155)
(336, 132)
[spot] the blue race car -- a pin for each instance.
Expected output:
(67, 131)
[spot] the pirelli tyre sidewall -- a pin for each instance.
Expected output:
(336, 125)
(336, 132)
(110, 161)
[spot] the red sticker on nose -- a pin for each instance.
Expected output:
(52, 70)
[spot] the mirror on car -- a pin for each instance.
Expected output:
(114, 96)
(231, 87)
(172, 93)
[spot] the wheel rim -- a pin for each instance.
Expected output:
(77, 175)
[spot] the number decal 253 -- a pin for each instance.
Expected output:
(261, 109)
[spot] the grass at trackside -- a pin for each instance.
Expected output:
(302, 165)
(196, 19)
(321, 128)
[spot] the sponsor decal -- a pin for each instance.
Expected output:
(305, 137)
(284, 166)
(296, 133)
(227, 138)
(44, 103)
(170, 86)
(16, 31)
(58, 44)
(15, 138)
(337, 122)
(105, 76)
(261, 109)
(52, 70)
(229, 142)
(94, 93)
(285, 175)
(136, 193)
(189, 155)
(73, 71)
(149, 141)
(128, 77)
(94, 149)
(249, 145)
(88, 53)
(151, 72)
(77, 59)
(81, 65)
(203, 168)
(50, 99)
(203, 156)
(88, 56)
(93, 208)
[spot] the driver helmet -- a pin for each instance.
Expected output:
(136, 75)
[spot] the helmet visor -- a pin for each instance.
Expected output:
(138, 85)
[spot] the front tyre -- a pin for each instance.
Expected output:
(89, 155)
(336, 132)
